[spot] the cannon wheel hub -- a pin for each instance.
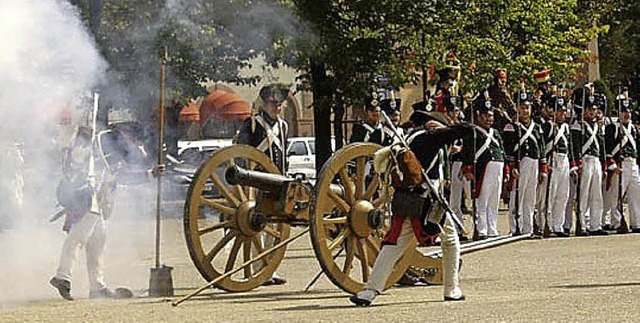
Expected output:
(359, 218)
(249, 222)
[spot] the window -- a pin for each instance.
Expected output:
(312, 147)
(298, 148)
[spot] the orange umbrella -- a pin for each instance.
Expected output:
(224, 106)
(190, 112)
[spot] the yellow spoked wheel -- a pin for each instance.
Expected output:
(221, 226)
(349, 218)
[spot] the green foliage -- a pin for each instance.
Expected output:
(620, 48)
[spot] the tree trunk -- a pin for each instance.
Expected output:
(96, 16)
(321, 113)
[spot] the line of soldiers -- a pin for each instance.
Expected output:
(545, 153)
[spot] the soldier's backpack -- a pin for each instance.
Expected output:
(406, 170)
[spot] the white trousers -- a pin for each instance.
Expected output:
(391, 253)
(610, 200)
(559, 191)
(568, 213)
(458, 185)
(488, 200)
(527, 185)
(90, 233)
(591, 204)
(630, 187)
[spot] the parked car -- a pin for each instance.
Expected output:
(301, 154)
(197, 151)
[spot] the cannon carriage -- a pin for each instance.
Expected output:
(240, 210)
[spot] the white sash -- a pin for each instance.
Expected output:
(528, 134)
(592, 138)
(487, 141)
(561, 134)
(626, 137)
(272, 135)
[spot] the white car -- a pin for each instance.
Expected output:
(301, 154)
(197, 151)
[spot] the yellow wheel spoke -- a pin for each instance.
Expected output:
(251, 193)
(337, 241)
(351, 250)
(233, 255)
(218, 205)
(347, 183)
(361, 164)
(272, 232)
(224, 190)
(246, 251)
(372, 244)
(332, 221)
(340, 203)
(373, 188)
(364, 259)
(214, 251)
(214, 227)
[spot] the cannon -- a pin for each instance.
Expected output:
(240, 211)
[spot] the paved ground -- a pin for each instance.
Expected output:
(574, 279)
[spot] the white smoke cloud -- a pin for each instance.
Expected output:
(48, 62)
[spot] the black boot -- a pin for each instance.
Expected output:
(63, 286)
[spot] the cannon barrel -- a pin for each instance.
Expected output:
(236, 175)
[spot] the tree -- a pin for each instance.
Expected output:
(620, 47)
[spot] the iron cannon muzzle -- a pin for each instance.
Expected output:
(274, 183)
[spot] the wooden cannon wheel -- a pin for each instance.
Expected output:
(221, 229)
(349, 218)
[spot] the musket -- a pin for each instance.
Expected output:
(581, 122)
(547, 228)
(624, 228)
(517, 181)
(95, 207)
(474, 208)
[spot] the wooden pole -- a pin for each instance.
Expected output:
(161, 117)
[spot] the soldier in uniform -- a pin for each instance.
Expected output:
(526, 165)
(483, 158)
(371, 129)
(391, 107)
(588, 150)
(560, 159)
(91, 168)
(543, 115)
(622, 140)
(403, 226)
(268, 132)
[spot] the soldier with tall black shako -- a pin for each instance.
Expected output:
(622, 139)
(589, 153)
(391, 106)
(526, 165)
(266, 130)
(371, 129)
(560, 160)
(543, 114)
(482, 165)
